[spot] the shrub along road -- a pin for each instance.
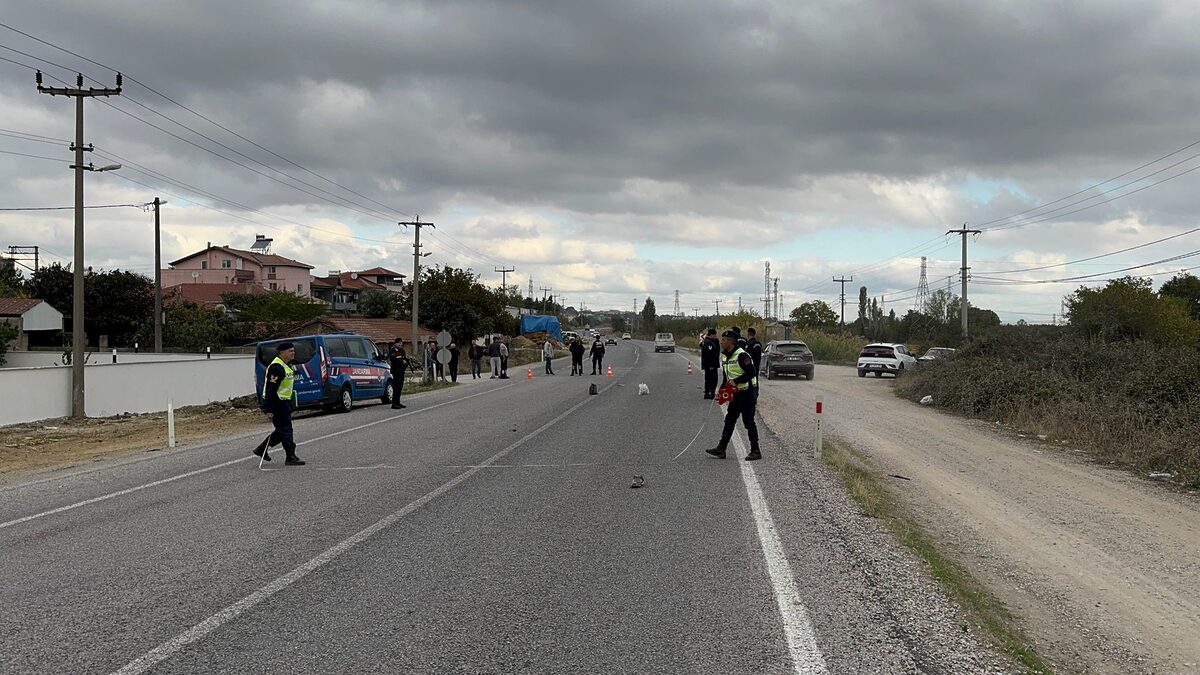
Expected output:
(490, 527)
(1102, 568)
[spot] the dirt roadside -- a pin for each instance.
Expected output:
(1102, 568)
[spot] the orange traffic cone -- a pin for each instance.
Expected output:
(529, 375)
(689, 367)
(610, 371)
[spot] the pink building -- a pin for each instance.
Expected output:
(225, 265)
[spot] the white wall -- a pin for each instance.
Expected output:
(40, 358)
(39, 393)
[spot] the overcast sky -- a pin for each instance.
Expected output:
(614, 150)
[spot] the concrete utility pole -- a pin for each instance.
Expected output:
(544, 291)
(963, 232)
(78, 337)
(843, 281)
(504, 277)
(158, 295)
(718, 304)
(775, 289)
(416, 282)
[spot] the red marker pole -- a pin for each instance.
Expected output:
(817, 440)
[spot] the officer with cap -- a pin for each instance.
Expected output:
(710, 362)
(278, 400)
(739, 372)
(399, 363)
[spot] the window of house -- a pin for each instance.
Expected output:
(273, 286)
(299, 288)
(226, 264)
(270, 270)
(203, 264)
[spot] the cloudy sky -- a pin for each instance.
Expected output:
(618, 150)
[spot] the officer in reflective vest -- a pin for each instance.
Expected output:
(740, 374)
(278, 400)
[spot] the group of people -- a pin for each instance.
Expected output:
(738, 359)
(577, 350)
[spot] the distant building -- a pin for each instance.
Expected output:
(381, 331)
(33, 319)
(227, 265)
(211, 295)
(340, 290)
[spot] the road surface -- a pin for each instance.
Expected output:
(488, 528)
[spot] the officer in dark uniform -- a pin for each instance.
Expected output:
(740, 341)
(399, 363)
(278, 400)
(597, 353)
(739, 370)
(754, 347)
(710, 362)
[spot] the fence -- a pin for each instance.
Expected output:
(137, 383)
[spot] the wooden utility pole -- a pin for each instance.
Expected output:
(416, 282)
(78, 337)
(843, 281)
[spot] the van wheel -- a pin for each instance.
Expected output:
(346, 400)
(388, 392)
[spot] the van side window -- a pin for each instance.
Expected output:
(356, 348)
(337, 347)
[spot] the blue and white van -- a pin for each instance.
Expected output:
(332, 371)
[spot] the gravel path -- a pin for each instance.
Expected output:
(1101, 567)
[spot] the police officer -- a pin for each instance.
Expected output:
(278, 400)
(576, 356)
(597, 353)
(710, 362)
(739, 369)
(399, 363)
(741, 341)
(754, 347)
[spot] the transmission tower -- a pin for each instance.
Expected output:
(677, 313)
(775, 286)
(922, 290)
(766, 298)
(531, 287)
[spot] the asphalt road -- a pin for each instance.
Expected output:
(489, 528)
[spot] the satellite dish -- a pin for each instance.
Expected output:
(195, 276)
(354, 275)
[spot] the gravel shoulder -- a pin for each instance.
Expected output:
(1101, 568)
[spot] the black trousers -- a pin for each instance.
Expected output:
(282, 420)
(397, 386)
(476, 370)
(597, 364)
(743, 405)
(453, 371)
(577, 364)
(710, 381)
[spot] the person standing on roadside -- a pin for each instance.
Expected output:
(597, 353)
(754, 348)
(548, 356)
(739, 372)
(278, 400)
(494, 358)
(504, 359)
(475, 355)
(710, 362)
(741, 341)
(577, 356)
(399, 362)
(453, 365)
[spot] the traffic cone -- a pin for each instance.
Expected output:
(689, 367)
(610, 371)
(529, 374)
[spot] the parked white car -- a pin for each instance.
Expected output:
(664, 342)
(884, 357)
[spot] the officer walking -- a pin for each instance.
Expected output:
(399, 362)
(278, 399)
(597, 353)
(710, 362)
(754, 347)
(739, 369)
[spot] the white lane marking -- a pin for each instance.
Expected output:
(197, 472)
(797, 629)
(196, 633)
(518, 466)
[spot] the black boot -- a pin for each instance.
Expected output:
(261, 450)
(754, 455)
(293, 460)
(717, 452)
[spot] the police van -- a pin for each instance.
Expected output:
(332, 371)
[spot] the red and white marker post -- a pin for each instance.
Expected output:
(817, 440)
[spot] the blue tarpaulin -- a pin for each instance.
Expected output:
(532, 323)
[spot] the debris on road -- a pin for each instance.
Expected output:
(896, 475)
(1160, 475)
(643, 389)
(927, 400)
(638, 482)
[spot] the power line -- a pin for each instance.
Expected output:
(992, 281)
(70, 208)
(1095, 257)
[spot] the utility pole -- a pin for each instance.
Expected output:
(775, 287)
(766, 298)
(963, 232)
(22, 254)
(677, 312)
(544, 292)
(843, 281)
(416, 282)
(922, 303)
(158, 295)
(718, 304)
(78, 338)
(504, 277)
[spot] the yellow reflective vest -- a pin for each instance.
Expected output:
(734, 370)
(287, 390)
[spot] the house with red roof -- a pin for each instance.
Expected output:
(32, 318)
(231, 266)
(340, 290)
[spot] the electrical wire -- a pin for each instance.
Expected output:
(995, 281)
(70, 208)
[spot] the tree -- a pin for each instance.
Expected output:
(117, 304)
(54, 284)
(375, 304)
(1127, 309)
(1185, 287)
(11, 280)
(454, 299)
(649, 316)
(815, 313)
(190, 327)
(863, 306)
(8, 333)
(619, 325)
(271, 307)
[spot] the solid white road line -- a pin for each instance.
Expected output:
(797, 629)
(197, 472)
(196, 633)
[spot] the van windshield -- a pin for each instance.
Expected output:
(304, 351)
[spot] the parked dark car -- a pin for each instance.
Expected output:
(787, 357)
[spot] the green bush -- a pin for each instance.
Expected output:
(8, 333)
(834, 347)
(1133, 403)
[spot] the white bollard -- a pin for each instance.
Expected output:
(817, 440)
(114, 356)
(170, 424)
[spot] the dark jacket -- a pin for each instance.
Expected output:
(756, 350)
(598, 349)
(454, 354)
(710, 353)
(398, 359)
(271, 401)
(748, 371)
(494, 349)
(577, 350)
(474, 352)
